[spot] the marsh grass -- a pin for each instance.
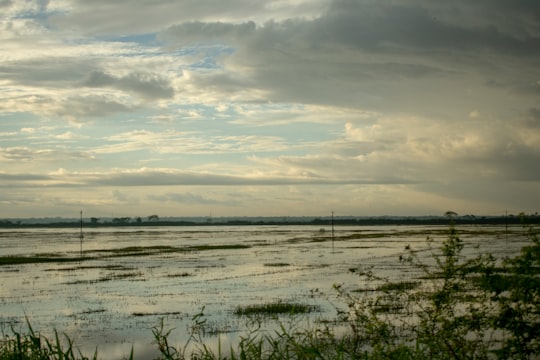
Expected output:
(99, 267)
(277, 264)
(275, 308)
(129, 276)
(184, 274)
(130, 251)
(37, 259)
(168, 313)
(34, 346)
(217, 247)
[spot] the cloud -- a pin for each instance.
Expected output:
(58, 72)
(217, 32)
(28, 154)
(160, 177)
(100, 17)
(173, 177)
(533, 118)
(146, 85)
(71, 73)
(365, 55)
(406, 150)
(77, 107)
(416, 26)
(187, 198)
(5, 3)
(174, 142)
(68, 135)
(121, 196)
(14, 178)
(474, 114)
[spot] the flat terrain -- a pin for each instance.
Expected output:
(127, 279)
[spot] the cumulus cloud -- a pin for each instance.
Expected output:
(77, 107)
(72, 73)
(363, 55)
(100, 17)
(57, 72)
(146, 85)
(418, 26)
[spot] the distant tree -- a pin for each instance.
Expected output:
(153, 218)
(123, 220)
(138, 220)
(94, 220)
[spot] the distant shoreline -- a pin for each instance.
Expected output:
(282, 221)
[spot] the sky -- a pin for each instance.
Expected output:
(269, 108)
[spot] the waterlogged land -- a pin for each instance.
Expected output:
(127, 279)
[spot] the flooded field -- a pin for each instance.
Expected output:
(129, 278)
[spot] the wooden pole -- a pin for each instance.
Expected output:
(81, 236)
(506, 224)
(332, 231)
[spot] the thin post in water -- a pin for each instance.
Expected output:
(506, 224)
(332, 231)
(81, 236)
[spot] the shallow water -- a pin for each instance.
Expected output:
(112, 302)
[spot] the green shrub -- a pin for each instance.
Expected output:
(516, 289)
(465, 309)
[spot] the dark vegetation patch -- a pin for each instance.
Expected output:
(37, 259)
(139, 250)
(93, 311)
(297, 240)
(217, 247)
(184, 274)
(107, 278)
(398, 286)
(316, 266)
(275, 308)
(167, 313)
(209, 266)
(101, 267)
(362, 290)
(278, 264)
(162, 249)
(112, 253)
(391, 307)
(363, 235)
